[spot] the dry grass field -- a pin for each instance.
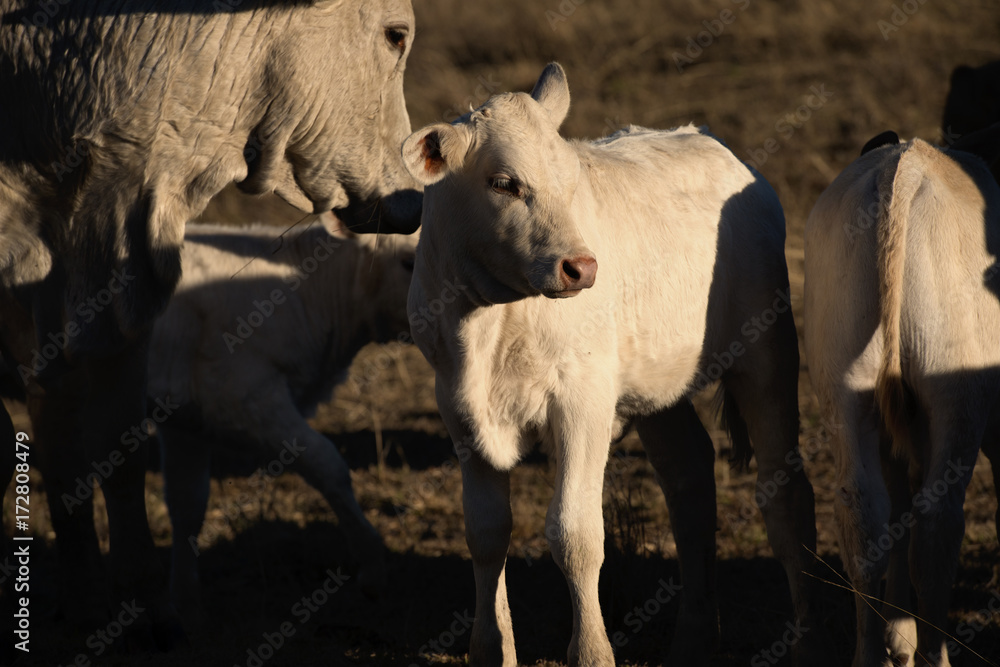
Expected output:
(796, 86)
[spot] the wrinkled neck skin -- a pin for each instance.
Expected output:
(102, 166)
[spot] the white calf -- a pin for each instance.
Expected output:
(259, 331)
(690, 248)
(902, 316)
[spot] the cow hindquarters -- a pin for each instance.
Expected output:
(683, 456)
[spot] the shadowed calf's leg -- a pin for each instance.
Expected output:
(683, 456)
(765, 387)
(488, 524)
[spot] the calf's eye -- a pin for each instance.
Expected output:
(505, 185)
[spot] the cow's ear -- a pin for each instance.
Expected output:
(430, 153)
(552, 92)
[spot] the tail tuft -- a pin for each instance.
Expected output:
(732, 421)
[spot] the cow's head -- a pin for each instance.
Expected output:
(503, 183)
(335, 114)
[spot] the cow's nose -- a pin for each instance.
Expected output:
(578, 272)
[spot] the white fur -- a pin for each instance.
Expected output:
(256, 392)
(949, 314)
(119, 124)
(689, 245)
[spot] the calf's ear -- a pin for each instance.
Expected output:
(552, 92)
(430, 153)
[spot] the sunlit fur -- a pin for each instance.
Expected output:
(689, 244)
(901, 313)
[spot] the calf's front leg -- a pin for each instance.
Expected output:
(488, 523)
(574, 527)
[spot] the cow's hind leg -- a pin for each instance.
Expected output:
(764, 386)
(955, 431)
(186, 458)
(862, 509)
(901, 628)
(683, 456)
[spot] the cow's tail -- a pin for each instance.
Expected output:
(732, 421)
(896, 193)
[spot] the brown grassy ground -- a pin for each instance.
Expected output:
(748, 83)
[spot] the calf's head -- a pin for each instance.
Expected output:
(500, 202)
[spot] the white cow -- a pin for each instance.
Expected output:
(259, 331)
(691, 285)
(902, 315)
(120, 121)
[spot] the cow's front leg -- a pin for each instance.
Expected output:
(683, 456)
(115, 434)
(488, 523)
(55, 417)
(186, 459)
(574, 527)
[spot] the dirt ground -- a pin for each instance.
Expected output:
(796, 87)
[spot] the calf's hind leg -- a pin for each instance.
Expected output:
(683, 457)
(765, 388)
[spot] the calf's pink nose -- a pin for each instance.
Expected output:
(578, 272)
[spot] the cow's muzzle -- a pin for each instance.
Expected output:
(397, 213)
